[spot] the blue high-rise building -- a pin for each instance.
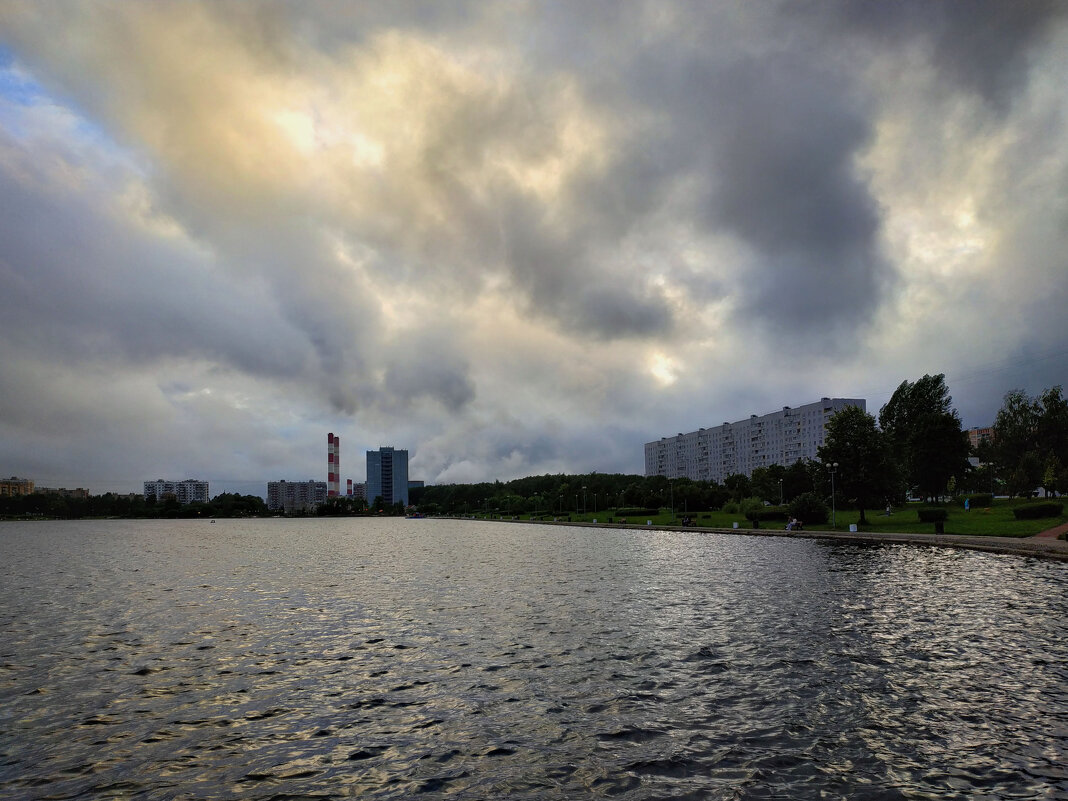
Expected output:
(387, 476)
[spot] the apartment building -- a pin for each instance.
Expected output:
(16, 486)
(387, 476)
(295, 496)
(189, 491)
(712, 454)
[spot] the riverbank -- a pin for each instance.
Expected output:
(1038, 547)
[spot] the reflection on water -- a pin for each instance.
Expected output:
(388, 658)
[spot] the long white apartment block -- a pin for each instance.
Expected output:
(712, 454)
(188, 491)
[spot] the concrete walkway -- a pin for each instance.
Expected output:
(1042, 546)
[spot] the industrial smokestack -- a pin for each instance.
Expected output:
(333, 465)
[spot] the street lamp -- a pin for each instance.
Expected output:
(834, 469)
(583, 500)
(780, 492)
(671, 486)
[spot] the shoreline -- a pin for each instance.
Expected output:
(1034, 546)
(1040, 548)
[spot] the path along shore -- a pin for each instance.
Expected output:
(1045, 545)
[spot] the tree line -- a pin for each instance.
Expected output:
(918, 447)
(915, 448)
(226, 504)
(62, 507)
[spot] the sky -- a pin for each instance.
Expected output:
(513, 238)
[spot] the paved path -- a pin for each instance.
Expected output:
(1054, 533)
(1041, 546)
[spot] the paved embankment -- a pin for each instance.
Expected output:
(1045, 546)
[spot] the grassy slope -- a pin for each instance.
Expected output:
(996, 521)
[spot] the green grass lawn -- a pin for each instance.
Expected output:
(996, 521)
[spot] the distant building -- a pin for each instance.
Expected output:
(63, 492)
(295, 496)
(416, 484)
(16, 486)
(977, 436)
(357, 489)
(712, 454)
(188, 491)
(387, 476)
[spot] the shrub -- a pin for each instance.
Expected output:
(751, 506)
(730, 507)
(932, 515)
(766, 513)
(978, 500)
(808, 508)
(1036, 511)
(635, 512)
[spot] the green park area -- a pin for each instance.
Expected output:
(1010, 483)
(995, 520)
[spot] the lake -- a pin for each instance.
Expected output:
(390, 658)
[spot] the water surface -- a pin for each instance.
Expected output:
(390, 658)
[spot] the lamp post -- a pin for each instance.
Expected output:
(671, 486)
(584, 501)
(834, 521)
(780, 492)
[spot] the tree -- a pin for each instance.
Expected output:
(738, 485)
(1015, 430)
(1052, 474)
(924, 434)
(865, 474)
(768, 482)
(1029, 433)
(1052, 424)
(797, 480)
(938, 452)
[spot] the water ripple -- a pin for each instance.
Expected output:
(389, 659)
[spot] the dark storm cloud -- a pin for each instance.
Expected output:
(772, 142)
(785, 181)
(611, 312)
(425, 367)
(984, 46)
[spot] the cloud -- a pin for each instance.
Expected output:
(513, 238)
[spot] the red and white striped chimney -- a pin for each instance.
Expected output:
(333, 465)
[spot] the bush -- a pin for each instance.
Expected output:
(978, 500)
(766, 513)
(1036, 511)
(730, 508)
(751, 506)
(808, 508)
(637, 512)
(932, 515)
